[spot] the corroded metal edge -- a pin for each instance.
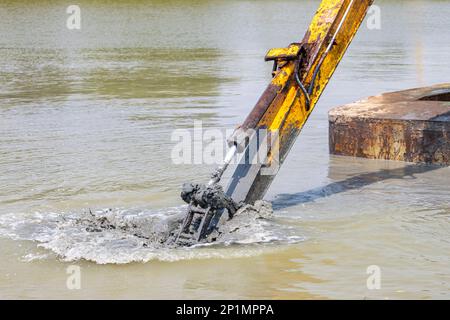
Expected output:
(411, 125)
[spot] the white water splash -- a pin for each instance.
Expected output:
(125, 236)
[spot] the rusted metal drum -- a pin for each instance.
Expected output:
(411, 125)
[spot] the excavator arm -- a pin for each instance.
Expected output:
(300, 74)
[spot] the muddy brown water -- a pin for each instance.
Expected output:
(85, 122)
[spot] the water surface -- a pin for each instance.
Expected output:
(85, 122)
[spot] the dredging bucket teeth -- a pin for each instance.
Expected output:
(185, 240)
(205, 226)
(196, 226)
(206, 205)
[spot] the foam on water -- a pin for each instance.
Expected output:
(137, 235)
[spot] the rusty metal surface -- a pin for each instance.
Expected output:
(411, 125)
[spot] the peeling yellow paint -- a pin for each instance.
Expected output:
(290, 109)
